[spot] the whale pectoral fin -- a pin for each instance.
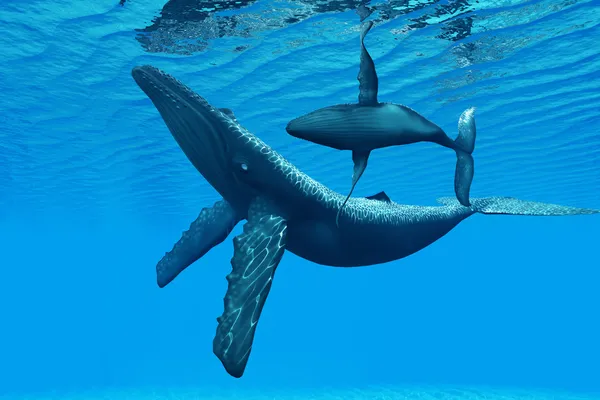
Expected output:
(381, 196)
(367, 76)
(360, 159)
(228, 112)
(257, 252)
(211, 227)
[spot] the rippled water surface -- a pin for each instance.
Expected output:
(94, 190)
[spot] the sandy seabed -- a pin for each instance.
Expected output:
(374, 393)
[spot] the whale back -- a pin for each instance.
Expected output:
(361, 128)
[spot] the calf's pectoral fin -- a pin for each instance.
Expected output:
(257, 252)
(360, 159)
(367, 75)
(211, 227)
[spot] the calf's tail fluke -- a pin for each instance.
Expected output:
(465, 165)
(512, 206)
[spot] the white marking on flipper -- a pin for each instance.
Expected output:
(257, 253)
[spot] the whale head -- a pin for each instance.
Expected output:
(211, 138)
(332, 126)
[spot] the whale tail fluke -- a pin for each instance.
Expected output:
(465, 165)
(513, 206)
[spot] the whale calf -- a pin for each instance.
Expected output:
(285, 210)
(371, 125)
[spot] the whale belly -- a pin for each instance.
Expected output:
(315, 241)
(357, 127)
(357, 244)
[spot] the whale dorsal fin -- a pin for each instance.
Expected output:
(228, 112)
(381, 196)
(367, 76)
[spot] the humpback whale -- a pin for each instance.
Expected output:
(371, 125)
(285, 210)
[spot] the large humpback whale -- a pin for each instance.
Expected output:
(371, 125)
(285, 209)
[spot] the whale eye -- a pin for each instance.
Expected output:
(241, 165)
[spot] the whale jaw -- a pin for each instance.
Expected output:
(203, 132)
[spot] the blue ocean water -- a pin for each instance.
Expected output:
(94, 190)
